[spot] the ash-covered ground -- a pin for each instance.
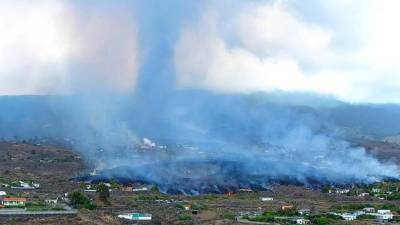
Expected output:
(185, 169)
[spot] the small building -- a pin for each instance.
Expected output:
(126, 188)
(287, 207)
(342, 191)
(348, 216)
(384, 211)
(384, 217)
(3, 193)
(140, 189)
(376, 190)
(358, 213)
(24, 185)
(302, 221)
(51, 201)
(304, 211)
(245, 190)
(136, 216)
(14, 202)
(369, 210)
(266, 199)
(365, 194)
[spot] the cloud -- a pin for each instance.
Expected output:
(272, 46)
(344, 49)
(56, 47)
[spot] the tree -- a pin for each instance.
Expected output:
(325, 189)
(79, 200)
(154, 189)
(321, 220)
(104, 192)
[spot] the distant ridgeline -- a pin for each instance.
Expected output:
(54, 116)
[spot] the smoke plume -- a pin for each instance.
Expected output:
(195, 100)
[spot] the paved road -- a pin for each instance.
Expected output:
(12, 212)
(253, 222)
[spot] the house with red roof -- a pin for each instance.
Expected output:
(13, 202)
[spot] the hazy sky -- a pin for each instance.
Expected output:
(348, 49)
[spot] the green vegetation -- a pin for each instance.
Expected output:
(323, 219)
(366, 217)
(104, 192)
(229, 216)
(185, 217)
(154, 189)
(325, 189)
(260, 218)
(39, 206)
(320, 220)
(265, 217)
(149, 197)
(58, 209)
(394, 196)
(13, 221)
(79, 200)
(389, 190)
(207, 197)
(179, 206)
(280, 216)
(35, 209)
(199, 207)
(36, 206)
(354, 207)
(114, 184)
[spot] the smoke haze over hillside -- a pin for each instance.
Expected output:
(248, 86)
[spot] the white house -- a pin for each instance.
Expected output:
(376, 190)
(302, 221)
(136, 216)
(342, 191)
(24, 185)
(358, 213)
(51, 201)
(304, 211)
(266, 199)
(140, 189)
(369, 210)
(348, 216)
(384, 211)
(386, 216)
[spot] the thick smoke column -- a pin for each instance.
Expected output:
(194, 105)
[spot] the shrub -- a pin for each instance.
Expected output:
(325, 189)
(229, 216)
(321, 220)
(154, 189)
(104, 192)
(79, 200)
(184, 218)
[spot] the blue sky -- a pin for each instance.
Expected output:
(345, 49)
